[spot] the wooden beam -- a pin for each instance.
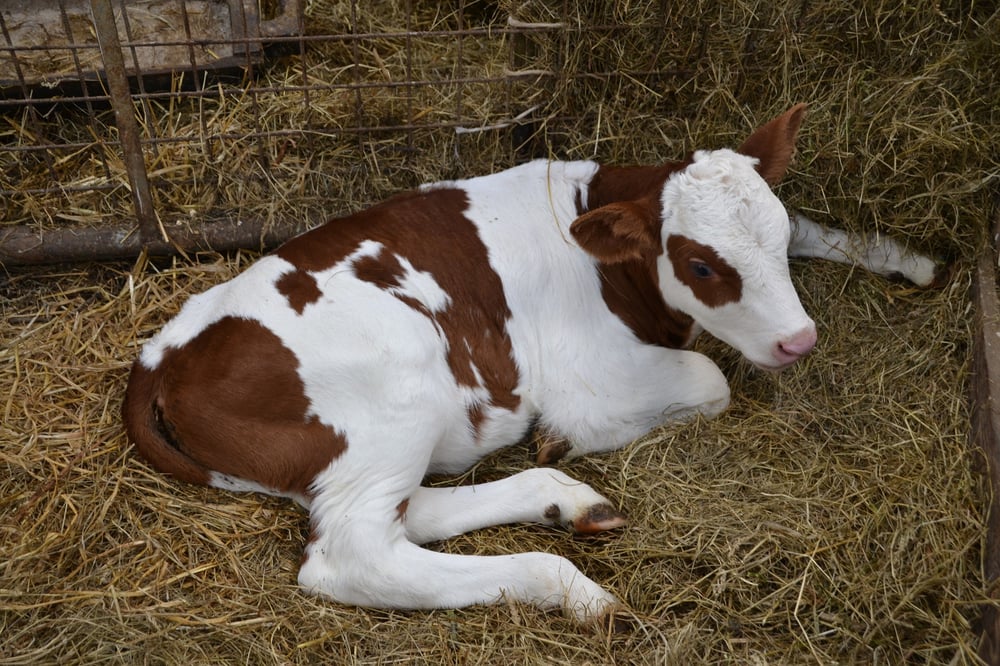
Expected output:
(985, 434)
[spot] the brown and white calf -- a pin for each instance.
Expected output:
(421, 334)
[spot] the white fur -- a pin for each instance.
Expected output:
(878, 254)
(374, 369)
(720, 201)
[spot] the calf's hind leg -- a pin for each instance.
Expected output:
(879, 254)
(359, 554)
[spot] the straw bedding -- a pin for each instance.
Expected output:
(831, 515)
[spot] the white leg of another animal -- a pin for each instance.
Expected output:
(539, 495)
(365, 559)
(878, 254)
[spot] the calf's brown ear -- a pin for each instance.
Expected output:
(617, 232)
(774, 143)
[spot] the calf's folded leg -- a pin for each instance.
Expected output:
(358, 557)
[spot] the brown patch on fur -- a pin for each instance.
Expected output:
(476, 416)
(155, 440)
(630, 287)
(724, 285)
(299, 288)
(401, 509)
(383, 270)
(630, 183)
(552, 512)
(427, 227)
(313, 538)
(631, 290)
(233, 402)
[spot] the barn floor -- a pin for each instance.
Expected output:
(832, 515)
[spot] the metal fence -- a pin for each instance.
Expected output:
(173, 124)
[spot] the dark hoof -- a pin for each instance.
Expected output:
(550, 450)
(599, 518)
(942, 275)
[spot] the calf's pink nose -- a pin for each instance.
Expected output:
(792, 348)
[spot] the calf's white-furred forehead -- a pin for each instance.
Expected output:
(721, 201)
(723, 209)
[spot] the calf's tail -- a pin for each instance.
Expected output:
(143, 415)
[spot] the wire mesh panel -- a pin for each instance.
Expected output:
(282, 116)
(67, 158)
(266, 118)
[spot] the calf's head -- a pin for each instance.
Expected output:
(715, 239)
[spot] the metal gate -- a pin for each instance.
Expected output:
(180, 124)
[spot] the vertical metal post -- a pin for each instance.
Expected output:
(128, 128)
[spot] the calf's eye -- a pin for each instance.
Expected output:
(700, 269)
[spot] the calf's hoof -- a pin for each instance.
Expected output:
(549, 449)
(598, 518)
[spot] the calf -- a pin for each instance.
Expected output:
(421, 334)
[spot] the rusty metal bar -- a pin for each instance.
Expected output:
(128, 127)
(359, 110)
(25, 246)
(501, 78)
(268, 28)
(139, 80)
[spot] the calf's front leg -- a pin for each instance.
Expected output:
(537, 495)
(614, 404)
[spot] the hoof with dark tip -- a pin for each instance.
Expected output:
(599, 518)
(942, 275)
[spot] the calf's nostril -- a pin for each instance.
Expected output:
(799, 344)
